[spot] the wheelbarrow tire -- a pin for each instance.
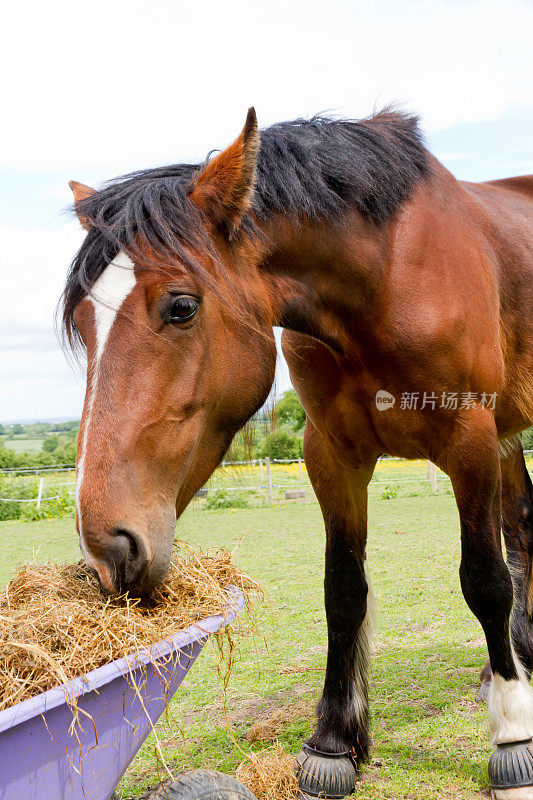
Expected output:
(201, 784)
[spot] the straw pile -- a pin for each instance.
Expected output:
(55, 623)
(269, 775)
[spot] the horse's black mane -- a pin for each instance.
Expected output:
(320, 166)
(314, 168)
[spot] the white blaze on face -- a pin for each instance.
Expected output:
(107, 296)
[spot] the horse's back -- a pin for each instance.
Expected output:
(505, 219)
(508, 204)
(521, 184)
(508, 201)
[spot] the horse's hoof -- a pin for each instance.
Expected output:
(325, 775)
(511, 771)
(483, 692)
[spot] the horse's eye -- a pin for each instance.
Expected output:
(183, 308)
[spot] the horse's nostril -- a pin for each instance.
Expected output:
(130, 543)
(129, 559)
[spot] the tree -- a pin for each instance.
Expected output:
(16, 429)
(38, 429)
(282, 442)
(289, 411)
(527, 439)
(65, 453)
(8, 457)
(50, 444)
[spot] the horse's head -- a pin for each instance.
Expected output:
(180, 351)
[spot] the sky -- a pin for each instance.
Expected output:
(94, 89)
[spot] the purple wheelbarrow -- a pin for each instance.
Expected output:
(119, 704)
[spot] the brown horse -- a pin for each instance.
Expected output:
(406, 299)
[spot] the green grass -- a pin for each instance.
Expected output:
(430, 739)
(20, 443)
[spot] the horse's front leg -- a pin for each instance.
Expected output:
(343, 724)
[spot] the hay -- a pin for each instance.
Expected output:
(269, 775)
(56, 624)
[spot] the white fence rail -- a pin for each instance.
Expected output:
(37, 470)
(432, 477)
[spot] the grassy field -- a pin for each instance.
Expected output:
(430, 738)
(20, 443)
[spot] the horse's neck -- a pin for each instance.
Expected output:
(325, 279)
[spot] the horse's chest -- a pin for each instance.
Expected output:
(367, 415)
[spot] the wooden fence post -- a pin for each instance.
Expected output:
(40, 493)
(429, 474)
(300, 470)
(269, 479)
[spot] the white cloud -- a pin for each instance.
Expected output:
(105, 86)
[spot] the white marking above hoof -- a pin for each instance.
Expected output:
(510, 708)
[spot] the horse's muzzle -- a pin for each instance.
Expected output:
(126, 564)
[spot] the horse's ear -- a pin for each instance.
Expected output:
(223, 189)
(81, 192)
